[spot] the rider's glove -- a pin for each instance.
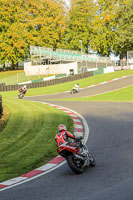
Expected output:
(78, 137)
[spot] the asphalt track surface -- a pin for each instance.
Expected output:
(110, 142)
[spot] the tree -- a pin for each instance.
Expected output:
(104, 25)
(51, 23)
(11, 27)
(78, 24)
(124, 31)
(26, 23)
(112, 27)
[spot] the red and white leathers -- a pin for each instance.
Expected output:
(23, 89)
(62, 137)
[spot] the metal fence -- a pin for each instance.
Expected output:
(40, 53)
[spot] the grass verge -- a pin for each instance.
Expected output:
(68, 86)
(17, 76)
(121, 95)
(27, 141)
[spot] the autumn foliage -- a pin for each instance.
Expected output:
(102, 25)
(30, 22)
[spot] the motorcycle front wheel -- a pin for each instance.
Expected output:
(20, 96)
(75, 166)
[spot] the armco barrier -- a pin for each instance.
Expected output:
(48, 82)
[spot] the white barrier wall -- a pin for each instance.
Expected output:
(109, 69)
(118, 68)
(50, 69)
(48, 78)
(92, 69)
(125, 67)
(131, 66)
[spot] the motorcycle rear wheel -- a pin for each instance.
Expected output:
(72, 91)
(74, 167)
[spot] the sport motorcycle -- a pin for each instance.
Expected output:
(73, 91)
(20, 95)
(77, 155)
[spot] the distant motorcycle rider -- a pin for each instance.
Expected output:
(76, 87)
(23, 90)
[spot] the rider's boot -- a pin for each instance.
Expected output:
(92, 160)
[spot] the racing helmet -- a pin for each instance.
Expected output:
(62, 127)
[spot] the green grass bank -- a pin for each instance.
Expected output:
(68, 86)
(121, 95)
(17, 76)
(27, 141)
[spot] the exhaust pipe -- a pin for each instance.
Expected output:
(79, 157)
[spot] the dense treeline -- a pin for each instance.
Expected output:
(103, 25)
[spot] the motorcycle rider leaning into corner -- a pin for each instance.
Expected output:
(23, 89)
(76, 87)
(63, 136)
